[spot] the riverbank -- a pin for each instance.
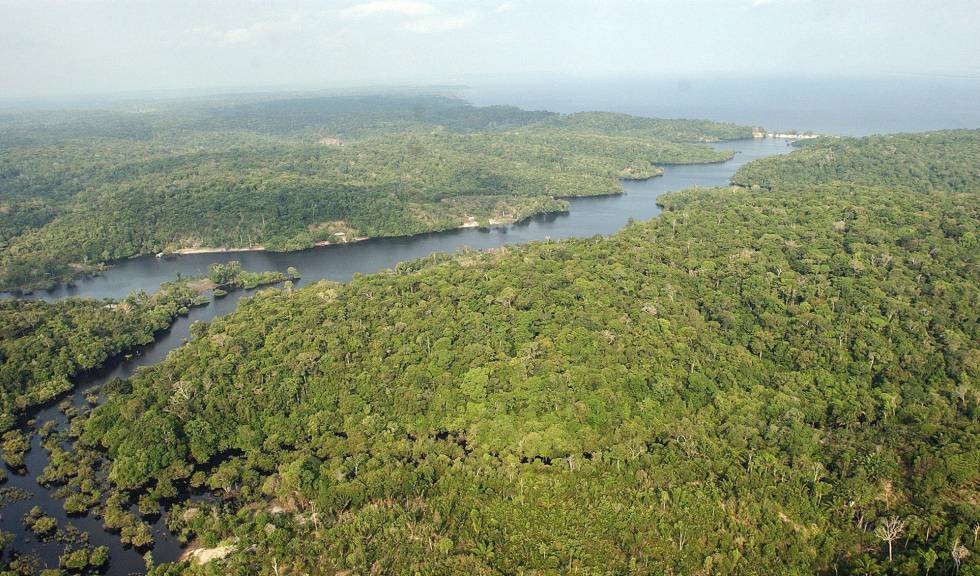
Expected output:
(577, 216)
(469, 222)
(210, 250)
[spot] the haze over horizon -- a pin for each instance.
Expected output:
(56, 48)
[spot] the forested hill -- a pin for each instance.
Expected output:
(78, 189)
(348, 117)
(611, 123)
(763, 380)
(351, 116)
(947, 160)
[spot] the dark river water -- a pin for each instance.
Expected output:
(586, 217)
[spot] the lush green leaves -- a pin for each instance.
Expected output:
(289, 174)
(941, 161)
(43, 346)
(754, 382)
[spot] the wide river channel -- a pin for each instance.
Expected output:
(586, 217)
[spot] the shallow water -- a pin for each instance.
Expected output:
(586, 217)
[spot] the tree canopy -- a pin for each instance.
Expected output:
(85, 188)
(778, 377)
(942, 161)
(43, 345)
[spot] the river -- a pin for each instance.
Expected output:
(586, 217)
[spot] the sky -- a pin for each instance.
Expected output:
(52, 48)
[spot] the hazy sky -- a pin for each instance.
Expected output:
(57, 47)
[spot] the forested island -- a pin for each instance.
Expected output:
(776, 377)
(84, 188)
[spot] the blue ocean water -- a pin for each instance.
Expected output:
(851, 106)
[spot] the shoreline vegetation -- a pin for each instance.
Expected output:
(787, 135)
(206, 250)
(81, 189)
(46, 349)
(341, 238)
(47, 346)
(469, 222)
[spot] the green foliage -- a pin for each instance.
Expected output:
(757, 381)
(934, 161)
(232, 275)
(6, 539)
(224, 274)
(85, 559)
(44, 345)
(15, 444)
(98, 557)
(74, 194)
(611, 123)
(10, 494)
(132, 531)
(42, 525)
(74, 561)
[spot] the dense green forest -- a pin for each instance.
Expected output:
(44, 345)
(613, 124)
(85, 188)
(946, 161)
(772, 378)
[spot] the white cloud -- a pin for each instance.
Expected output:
(251, 34)
(757, 3)
(246, 34)
(389, 7)
(418, 17)
(441, 23)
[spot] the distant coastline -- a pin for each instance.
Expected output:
(792, 135)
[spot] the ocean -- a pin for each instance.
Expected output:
(846, 106)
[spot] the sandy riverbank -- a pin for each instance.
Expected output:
(210, 250)
(470, 222)
(320, 243)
